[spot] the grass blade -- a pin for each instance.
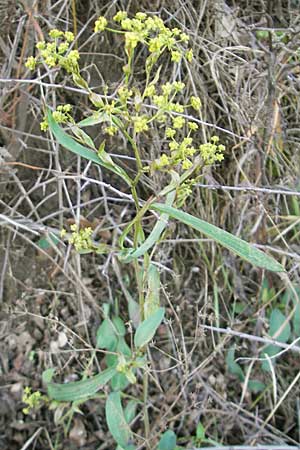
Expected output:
(233, 243)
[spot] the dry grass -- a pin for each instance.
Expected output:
(249, 88)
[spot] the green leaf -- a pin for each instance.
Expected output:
(128, 447)
(119, 382)
(119, 325)
(152, 296)
(134, 311)
(115, 419)
(153, 237)
(123, 348)
(83, 137)
(296, 320)
(45, 242)
(227, 240)
(130, 410)
(233, 367)
(266, 292)
(94, 119)
(200, 432)
(256, 386)
(277, 319)
(68, 142)
(290, 294)
(71, 392)
(106, 336)
(111, 359)
(147, 329)
(167, 441)
(48, 375)
(271, 351)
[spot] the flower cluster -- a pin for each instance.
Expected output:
(212, 152)
(182, 152)
(81, 238)
(33, 400)
(56, 52)
(100, 24)
(60, 115)
(150, 31)
(184, 191)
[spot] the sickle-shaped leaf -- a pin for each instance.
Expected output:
(68, 142)
(233, 243)
(71, 392)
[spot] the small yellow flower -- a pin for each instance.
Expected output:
(111, 130)
(192, 126)
(189, 55)
(170, 133)
(187, 164)
(173, 146)
(215, 139)
(30, 63)
(178, 86)
(121, 15)
(69, 36)
(176, 31)
(141, 16)
(140, 123)
(63, 232)
(195, 103)
(63, 47)
(163, 160)
(178, 122)
(177, 107)
(184, 37)
(100, 24)
(50, 61)
(44, 125)
(54, 34)
(150, 91)
(175, 56)
(131, 40)
(41, 45)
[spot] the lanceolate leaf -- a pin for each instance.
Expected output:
(115, 419)
(158, 228)
(68, 142)
(147, 329)
(71, 392)
(154, 236)
(94, 119)
(233, 243)
(152, 296)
